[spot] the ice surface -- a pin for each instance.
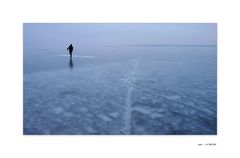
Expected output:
(121, 90)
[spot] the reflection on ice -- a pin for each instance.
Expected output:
(71, 63)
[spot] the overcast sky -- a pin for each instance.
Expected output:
(56, 35)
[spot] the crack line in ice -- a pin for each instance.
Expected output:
(133, 84)
(128, 102)
(130, 83)
(147, 90)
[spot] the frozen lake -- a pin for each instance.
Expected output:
(155, 90)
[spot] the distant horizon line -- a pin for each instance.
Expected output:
(157, 45)
(141, 45)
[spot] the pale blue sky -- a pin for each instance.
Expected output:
(58, 35)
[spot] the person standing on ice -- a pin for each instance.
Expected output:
(70, 50)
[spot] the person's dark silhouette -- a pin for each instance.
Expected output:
(71, 63)
(70, 49)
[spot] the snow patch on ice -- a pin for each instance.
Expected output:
(68, 114)
(77, 56)
(104, 117)
(58, 110)
(82, 109)
(156, 115)
(114, 114)
(173, 97)
(63, 55)
(147, 110)
(87, 57)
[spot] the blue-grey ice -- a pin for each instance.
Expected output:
(124, 90)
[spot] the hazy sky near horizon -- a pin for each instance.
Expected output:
(58, 35)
